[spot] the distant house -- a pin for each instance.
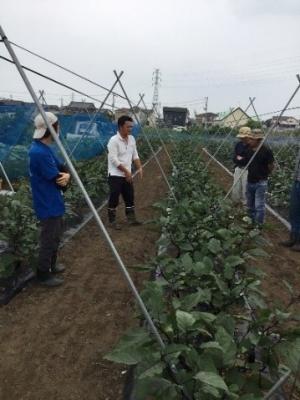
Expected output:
(236, 117)
(52, 108)
(284, 123)
(175, 116)
(205, 119)
(144, 116)
(76, 107)
(10, 102)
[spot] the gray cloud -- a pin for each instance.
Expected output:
(250, 8)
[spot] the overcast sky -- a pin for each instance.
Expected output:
(226, 50)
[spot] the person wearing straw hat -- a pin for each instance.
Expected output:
(47, 178)
(242, 154)
(294, 241)
(258, 172)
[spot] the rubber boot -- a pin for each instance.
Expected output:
(48, 280)
(58, 268)
(131, 217)
(290, 242)
(296, 246)
(112, 219)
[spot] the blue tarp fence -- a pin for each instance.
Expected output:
(83, 135)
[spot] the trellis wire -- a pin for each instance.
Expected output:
(270, 130)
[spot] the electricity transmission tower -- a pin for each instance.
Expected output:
(156, 80)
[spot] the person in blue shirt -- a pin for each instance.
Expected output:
(48, 178)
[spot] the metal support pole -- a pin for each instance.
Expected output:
(277, 385)
(157, 131)
(64, 142)
(225, 138)
(147, 140)
(6, 177)
(94, 116)
(264, 139)
(259, 120)
(86, 196)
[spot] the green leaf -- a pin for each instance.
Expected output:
(158, 388)
(200, 268)
(156, 369)
(184, 320)
(192, 300)
(206, 317)
(129, 356)
(233, 261)
(227, 322)
(224, 233)
(214, 246)
(211, 345)
(210, 390)
(227, 344)
(187, 262)
(228, 271)
(257, 252)
(131, 348)
(289, 353)
(212, 379)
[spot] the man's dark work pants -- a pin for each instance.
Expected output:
(51, 231)
(119, 186)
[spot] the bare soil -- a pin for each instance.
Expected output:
(52, 341)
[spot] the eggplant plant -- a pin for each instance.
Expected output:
(222, 340)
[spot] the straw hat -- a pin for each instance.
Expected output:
(244, 132)
(256, 134)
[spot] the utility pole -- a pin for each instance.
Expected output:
(205, 110)
(113, 106)
(156, 80)
(206, 104)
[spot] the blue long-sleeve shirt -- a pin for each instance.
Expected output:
(44, 168)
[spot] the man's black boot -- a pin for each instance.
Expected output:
(290, 242)
(112, 219)
(58, 268)
(48, 280)
(131, 218)
(296, 246)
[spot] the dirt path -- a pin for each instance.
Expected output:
(52, 341)
(282, 263)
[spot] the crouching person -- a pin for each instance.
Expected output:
(122, 152)
(47, 182)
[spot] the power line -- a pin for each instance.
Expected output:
(54, 80)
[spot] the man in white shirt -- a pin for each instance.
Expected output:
(122, 152)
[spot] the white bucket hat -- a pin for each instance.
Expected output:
(40, 124)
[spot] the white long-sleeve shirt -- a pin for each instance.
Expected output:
(121, 151)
